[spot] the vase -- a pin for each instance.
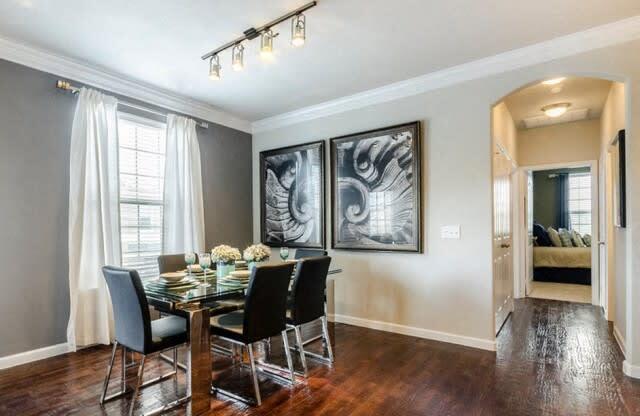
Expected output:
(224, 268)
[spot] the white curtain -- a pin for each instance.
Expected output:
(94, 229)
(183, 205)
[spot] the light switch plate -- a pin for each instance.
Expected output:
(450, 232)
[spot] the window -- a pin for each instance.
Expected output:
(142, 157)
(580, 202)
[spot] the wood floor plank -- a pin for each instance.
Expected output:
(553, 358)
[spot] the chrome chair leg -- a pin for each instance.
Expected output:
(138, 383)
(254, 374)
(175, 361)
(325, 331)
(109, 368)
(303, 359)
(287, 352)
(123, 370)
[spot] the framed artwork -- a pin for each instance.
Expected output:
(376, 190)
(618, 169)
(292, 196)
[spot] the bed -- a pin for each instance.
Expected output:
(562, 264)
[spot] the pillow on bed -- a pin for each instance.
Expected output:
(576, 239)
(542, 237)
(565, 237)
(587, 240)
(554, 237)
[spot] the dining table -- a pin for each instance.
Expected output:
(197, 301)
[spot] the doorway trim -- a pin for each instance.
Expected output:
(521, 243)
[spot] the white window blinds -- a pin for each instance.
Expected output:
(142, 158)
(580, 202)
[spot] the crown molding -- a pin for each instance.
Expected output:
(71, 69)
(594, 38)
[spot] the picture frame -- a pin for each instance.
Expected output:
(376, 190)
(619, 167)
(292, 196)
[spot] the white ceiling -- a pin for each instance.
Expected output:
(582, 93)
(352, 45)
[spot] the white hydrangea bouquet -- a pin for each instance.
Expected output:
(225, 254)
(257, 252)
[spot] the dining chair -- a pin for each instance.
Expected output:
(307, 304)
(263, 316)
(302, 253)
(172, 263)
(135, 331)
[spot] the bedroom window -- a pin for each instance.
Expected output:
(580, 202)
(142, 156)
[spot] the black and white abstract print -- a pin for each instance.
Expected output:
(376, 180)
(293, 196)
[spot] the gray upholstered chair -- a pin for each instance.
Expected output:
(307, 304)
(172, 263)
(302, 253)
(263, 316)
(136, 332)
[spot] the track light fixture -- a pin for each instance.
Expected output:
(237, 57)
(266, 44)
(298, 29)
(298, 38)
(214, 68)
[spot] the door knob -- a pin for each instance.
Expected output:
(505, 245)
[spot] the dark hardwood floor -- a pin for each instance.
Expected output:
(553, 358)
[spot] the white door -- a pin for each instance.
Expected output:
(529, 217)
(502, 245)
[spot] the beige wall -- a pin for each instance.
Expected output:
(612, 121)
(504, 130)
(446, 292)
(560, 143)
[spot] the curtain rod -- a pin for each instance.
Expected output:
(66, 86)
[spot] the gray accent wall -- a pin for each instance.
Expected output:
(35, 131)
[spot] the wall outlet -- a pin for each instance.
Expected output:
(450, 232)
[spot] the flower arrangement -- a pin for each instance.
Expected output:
(225, 254)
(257, 252)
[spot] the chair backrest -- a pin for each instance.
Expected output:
(172, 262)
(130, 308)
(302, 253)
(265, 305)
(308, 291)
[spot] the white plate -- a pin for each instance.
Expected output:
(241, 273)
(195, 268)
(173, 276)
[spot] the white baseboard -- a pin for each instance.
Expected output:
(632, 371)
(33, 355)
(619, 339)
(484, 344)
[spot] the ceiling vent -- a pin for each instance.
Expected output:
(569, 116)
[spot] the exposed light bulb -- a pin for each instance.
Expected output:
(555, 110)
(214, 68)
(237, 57)
(266, 45)
(554, 81)
(298, 30)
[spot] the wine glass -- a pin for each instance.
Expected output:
(284, 253)
(205, 263)
(190, 259)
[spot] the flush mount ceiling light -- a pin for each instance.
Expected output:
(554, 81)
(298, 38)
(555, 110)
